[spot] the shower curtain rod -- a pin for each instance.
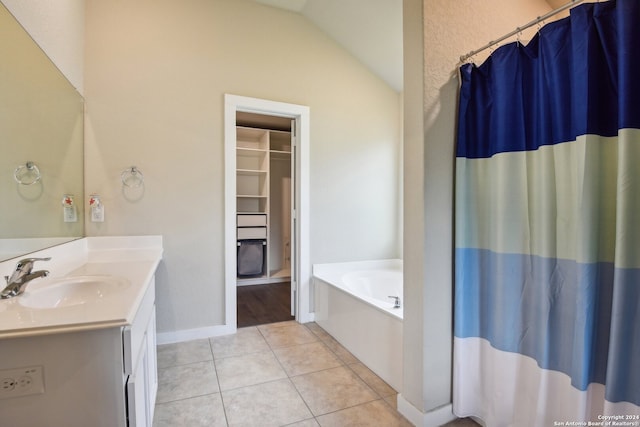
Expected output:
(518, 30)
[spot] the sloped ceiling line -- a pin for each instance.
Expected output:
(370, 30)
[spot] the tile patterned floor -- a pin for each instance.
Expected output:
(280, 374)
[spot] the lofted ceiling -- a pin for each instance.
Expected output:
(557, 3)
(371, 30)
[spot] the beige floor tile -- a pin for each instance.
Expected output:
(184, 353)
(332, 389)
(249, 369)
(372, 380)
(317, 330)
(376, 413)
(255, 387)
(314, 327)
(340, 351)
(245, 341)
(287, 335)
(202, 411)
(306, 358)
(180, 382)
(306, 423)
(269, 326)
(392, 401)
(275, 403)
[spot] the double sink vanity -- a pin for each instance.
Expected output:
(78, 347)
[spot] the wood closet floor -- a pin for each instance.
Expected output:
(260, 304)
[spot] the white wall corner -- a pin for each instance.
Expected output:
(434, 418)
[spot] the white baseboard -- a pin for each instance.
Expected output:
(208, 332)
(306, 317)
(434, 418)
(194, 334)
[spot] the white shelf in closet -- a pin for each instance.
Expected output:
(252, 170)
(251, 159)
(251, 151)
(280, 141)
(255, 150)
(280, 155)
(251, 204)
(251, 183)
(247, 137)
(284, 273)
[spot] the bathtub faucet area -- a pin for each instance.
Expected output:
(396, 301)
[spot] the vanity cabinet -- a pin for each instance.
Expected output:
(97, 375)
(140, 363)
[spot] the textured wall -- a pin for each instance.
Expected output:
(455, 28)
(450, 30)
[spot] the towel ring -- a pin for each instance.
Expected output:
(132, 177)
(23, 171)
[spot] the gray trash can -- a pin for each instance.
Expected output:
(251, 257)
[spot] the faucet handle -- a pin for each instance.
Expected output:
(396, 302)
(27, 263)
(34, 259)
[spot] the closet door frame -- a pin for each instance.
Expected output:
(301, 115)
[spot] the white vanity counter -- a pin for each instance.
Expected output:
(87, 363)
(134, 259)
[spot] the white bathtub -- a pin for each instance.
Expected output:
(352, 303)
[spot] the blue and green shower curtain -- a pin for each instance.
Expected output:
(547, 276)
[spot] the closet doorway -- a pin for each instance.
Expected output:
(266, 198)
(264, 188)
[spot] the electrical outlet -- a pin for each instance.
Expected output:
(25, 382)
(7, 384)
(21, 382)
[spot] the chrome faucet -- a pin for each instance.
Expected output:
(21, 277)
(396, 302)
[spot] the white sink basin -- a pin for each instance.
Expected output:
(70, 291)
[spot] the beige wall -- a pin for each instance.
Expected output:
(155, 75)
(58, 27)
(450, 30)
(41, 122)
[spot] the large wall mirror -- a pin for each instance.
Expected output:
(41, 147)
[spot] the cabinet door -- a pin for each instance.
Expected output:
(152, 368)
(137, 409)
(134, 335)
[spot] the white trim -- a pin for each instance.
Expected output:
(229, 211)
(234, 103)
(194, 334)
(434, 418)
